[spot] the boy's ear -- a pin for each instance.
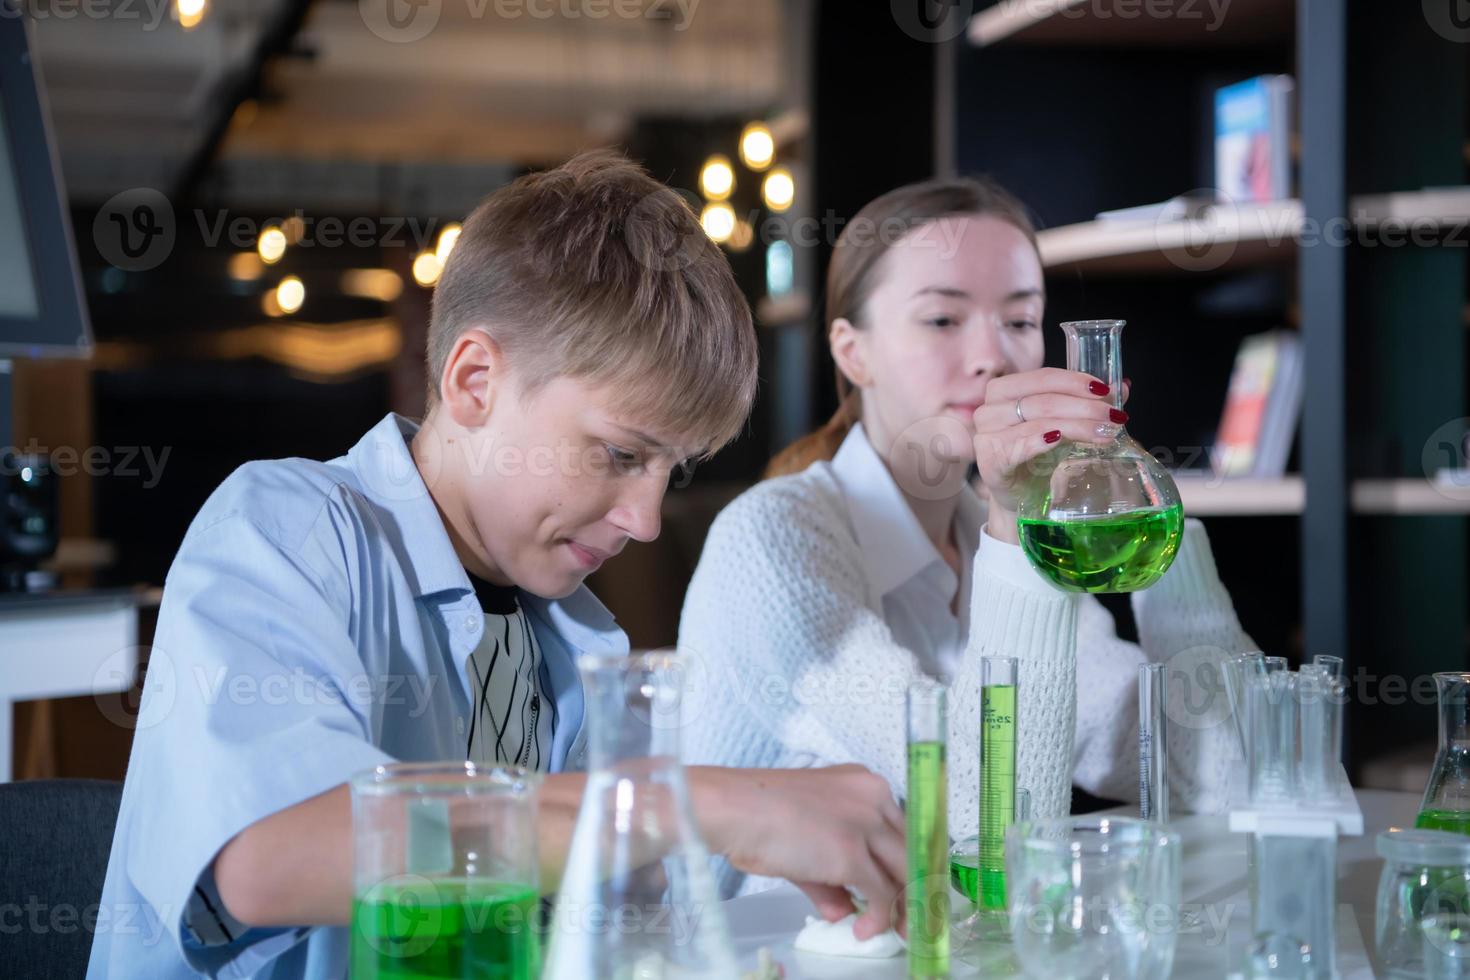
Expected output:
(474, 373)
(847, 351)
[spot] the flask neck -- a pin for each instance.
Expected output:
(633, 714)
(1095, 347)
(1454, 709)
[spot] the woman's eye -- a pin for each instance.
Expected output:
(1021, 324)
(941, 321)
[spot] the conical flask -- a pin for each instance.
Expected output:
(1446, 803)
(637, 901)
(1100, 518)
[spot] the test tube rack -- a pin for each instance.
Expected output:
(1328, 816)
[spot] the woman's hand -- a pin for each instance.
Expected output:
(822, 829)
(1056, 404)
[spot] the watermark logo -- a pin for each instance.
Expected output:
(932, 21)
(660, 238)
(1450, 19)
(135, 230)
(400, 21)
(159, 690)
(1445, 459)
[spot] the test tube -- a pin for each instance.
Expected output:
(1284, 689)
(1333, 665)
(1336, 697)
(926, 818)
(998, 688)
(1275, 664)
(1312, 692)
(1153, 752)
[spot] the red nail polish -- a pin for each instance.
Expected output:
(1052, 436)
(1098, 388)
(1118, 415)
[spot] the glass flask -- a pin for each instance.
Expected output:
(637, 899)
(1446, 803)
(1093, 897)
(1425, 873)
(445, 873)
(1100, 518)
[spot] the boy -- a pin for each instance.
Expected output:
(406, 600)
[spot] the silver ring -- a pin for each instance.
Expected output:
(1019, 416)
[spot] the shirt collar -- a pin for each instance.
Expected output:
(895, 548)
(388, 475)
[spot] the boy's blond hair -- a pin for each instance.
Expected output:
(598, 272)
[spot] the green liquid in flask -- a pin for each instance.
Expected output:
(1115, 553)
(446, 928)
(997, 789)
(1456, 821)
(925, 815)
(964, 875)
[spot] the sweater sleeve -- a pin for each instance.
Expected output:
(1187, 622)
(778, 619)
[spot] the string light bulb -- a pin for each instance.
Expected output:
(778, 190)
(757, 146)
(717, 178)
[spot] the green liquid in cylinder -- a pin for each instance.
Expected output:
(964, 875)
(997, 789)
(1457, 821)
(1114, 553)
(446, 928)
(926, 818)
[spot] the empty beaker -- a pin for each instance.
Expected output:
(445, 873)
(637, 900)
(1446, 804)
(1100, 518)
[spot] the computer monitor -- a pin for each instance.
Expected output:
(42, 312)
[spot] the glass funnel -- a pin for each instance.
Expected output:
(1100, 518)
(638, 900)
(1446, 803)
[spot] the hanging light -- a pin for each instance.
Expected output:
(426, 269)
(717, 178)
(190, 12)
(757, 146)
(718, 221)
(290, 294)
(778, 189)
(271, 245)
(447, 237)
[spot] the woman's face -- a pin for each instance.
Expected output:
(957, 303)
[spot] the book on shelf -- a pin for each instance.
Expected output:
(1253, 140)
(1262, 407)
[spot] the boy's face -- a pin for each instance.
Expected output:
(551, 485)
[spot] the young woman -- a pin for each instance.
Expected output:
(869, 559)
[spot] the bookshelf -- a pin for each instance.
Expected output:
(1080, 22)
(1081, 111)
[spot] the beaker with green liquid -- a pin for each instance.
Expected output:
(445, 872)
(1100, 518)
(1446, 803)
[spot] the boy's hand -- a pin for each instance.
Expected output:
(822, 829)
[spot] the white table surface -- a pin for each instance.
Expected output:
(1214, 875)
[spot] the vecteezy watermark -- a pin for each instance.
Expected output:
(1450, 19)
(405, 21)
(932, 21)
(148, 13)
(137, 230)
(38, 917)
(1445, 459)
(1209, 15)
(207, 686)
(1209, 238)
(124, 462)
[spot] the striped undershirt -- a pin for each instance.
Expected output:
(511, 724)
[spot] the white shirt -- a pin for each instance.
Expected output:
(908, 577)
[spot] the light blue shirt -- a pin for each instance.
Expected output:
(315, 623)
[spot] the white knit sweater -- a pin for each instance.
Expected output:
(793, 665)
